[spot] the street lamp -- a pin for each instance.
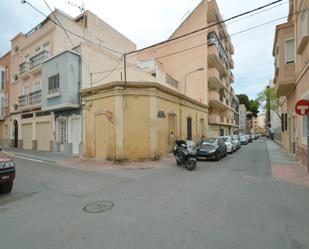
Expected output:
(196, 70)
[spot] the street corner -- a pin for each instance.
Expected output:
(96, 164)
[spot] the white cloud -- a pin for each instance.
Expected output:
(146, 23)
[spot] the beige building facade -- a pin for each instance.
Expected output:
(291, 54)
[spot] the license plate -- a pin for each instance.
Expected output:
(5, 177)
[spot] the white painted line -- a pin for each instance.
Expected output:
(27, 158)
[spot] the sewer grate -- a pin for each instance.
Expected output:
(98, 206)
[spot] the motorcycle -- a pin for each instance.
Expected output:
(185, 153)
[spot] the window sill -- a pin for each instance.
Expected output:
(303, 44)
(53, 95)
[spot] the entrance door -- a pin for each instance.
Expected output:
(292, 134)
(43, 131)
(171, 131)
(189, 128)
(75, 135)
(15, 134)
(101, 136)
(27, 136)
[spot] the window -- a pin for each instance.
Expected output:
(37, 50)
(53, 84)
(304, 24)
(284, 122)
(2, 106)
(289, 51)
(62, 131)
(2, 80)
(46, 46)
(37, 86)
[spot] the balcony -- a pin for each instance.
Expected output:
(24, 70)
(36, 61)
(214, 78)
(285, 80)
(217, 56)
(217, 101)
(216, 119)
(232, 78)
(30, 101)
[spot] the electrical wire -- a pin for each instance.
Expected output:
(53, 13)
(206, 27)
(69, 31)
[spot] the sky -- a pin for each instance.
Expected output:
(146, 23)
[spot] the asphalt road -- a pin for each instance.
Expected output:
(232, 204)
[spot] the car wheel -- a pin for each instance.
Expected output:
(6, 188)
(217, 157)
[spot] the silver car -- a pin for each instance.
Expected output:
(230, 144)
(236, 139)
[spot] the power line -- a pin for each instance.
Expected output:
(207, 27)
(69, 31)
(202, 44)
(53, 13)
(110, 71)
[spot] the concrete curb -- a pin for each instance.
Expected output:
(271, 163)
(29, 157)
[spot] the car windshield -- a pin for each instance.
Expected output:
(235, 137)
(226, 139)
(209, 141)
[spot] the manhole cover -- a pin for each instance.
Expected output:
(98, 206)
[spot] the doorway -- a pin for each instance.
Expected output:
(15, 143)
(189, 128)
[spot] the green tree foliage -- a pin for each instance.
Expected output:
(274, 102)
(251, 105)
(244, 100)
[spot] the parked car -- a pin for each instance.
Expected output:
(7, 173)
(211, 148)
(230, 144)
(243, 140)
(249, 138)
(236, 139)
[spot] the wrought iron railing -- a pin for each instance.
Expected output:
(23, 67)
(38, 59)
(32, 98)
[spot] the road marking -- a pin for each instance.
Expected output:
(27, 158)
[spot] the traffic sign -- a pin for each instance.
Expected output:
(302, 107)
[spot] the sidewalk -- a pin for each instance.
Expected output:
(286, 168)
(75, 161)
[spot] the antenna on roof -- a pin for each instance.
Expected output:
(80, 7)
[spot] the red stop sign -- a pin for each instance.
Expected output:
(302, 107)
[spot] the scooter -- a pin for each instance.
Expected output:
(185, 153)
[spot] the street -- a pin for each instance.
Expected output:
(235, 203)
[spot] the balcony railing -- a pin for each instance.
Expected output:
(35, 97)
(23, 67)
(32, 98)
(213, 39)
(38, 59)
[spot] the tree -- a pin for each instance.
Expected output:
(254, 107)
(274, 102)
(244, 100)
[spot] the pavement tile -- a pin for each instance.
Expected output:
(285, 167)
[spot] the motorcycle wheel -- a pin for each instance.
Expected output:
(178, 162)
(190, 164)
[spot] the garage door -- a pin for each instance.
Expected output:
(27, 136)
(43, 136)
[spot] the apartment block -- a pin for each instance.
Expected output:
(222, 99)
(291, 53)
(48, 69)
